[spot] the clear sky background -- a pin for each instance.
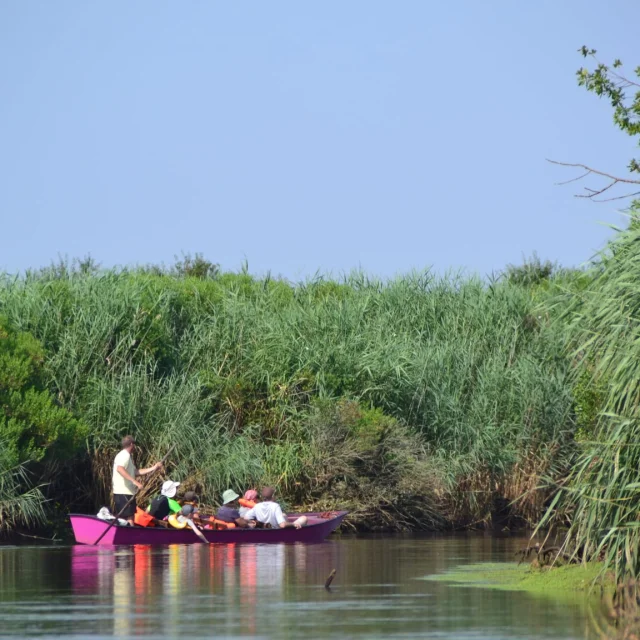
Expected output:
(305, 136)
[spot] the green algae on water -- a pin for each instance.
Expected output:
(568, 579)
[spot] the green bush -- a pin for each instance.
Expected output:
(34, 430)
(32, 426)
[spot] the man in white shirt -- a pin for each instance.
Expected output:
(124, 480)
(269, 512)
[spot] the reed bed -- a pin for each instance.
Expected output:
(458, 390)
(600, 500)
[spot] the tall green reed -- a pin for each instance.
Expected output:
(230, 366)
(601, 498)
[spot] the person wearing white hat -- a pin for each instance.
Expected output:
(169, 488)
(164, 505)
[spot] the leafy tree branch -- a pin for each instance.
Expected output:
(624, 95)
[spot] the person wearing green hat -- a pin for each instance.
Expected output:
(228, 512)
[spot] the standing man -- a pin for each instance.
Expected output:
(125, 484)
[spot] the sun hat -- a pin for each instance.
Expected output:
(251, 494)
(229, 496)
(169, 488)
(191, 496)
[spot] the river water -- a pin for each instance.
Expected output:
(273, 591)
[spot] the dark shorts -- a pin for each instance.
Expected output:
(119, 500)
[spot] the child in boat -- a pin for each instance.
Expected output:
(185, 517)
(250, 496)
(191, 498)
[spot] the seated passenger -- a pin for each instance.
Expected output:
(229, 512)
(186, 518)
(250, 496)
(270, 514)
(191, 498)
(164, 504)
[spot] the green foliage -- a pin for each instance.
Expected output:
(33, 428)
(589, 397)
(531, 272)
(623, 92)
(230, 368)
(609, 82)
(20, 503)
(195, 267)
(373, 465)
(601, 496)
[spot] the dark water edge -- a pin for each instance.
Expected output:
(274, 591)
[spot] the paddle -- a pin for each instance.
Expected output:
(133, 497)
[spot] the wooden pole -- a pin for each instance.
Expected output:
(133, 497)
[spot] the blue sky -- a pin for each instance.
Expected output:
(304, 136)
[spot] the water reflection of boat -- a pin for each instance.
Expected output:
(150, 590)
(87, 529)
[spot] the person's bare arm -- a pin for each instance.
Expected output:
(127, 476)
(144, 472)
(197, 531)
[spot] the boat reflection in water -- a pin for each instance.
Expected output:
(170, 590)
(383, 589)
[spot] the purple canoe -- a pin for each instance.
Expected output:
(87, 529)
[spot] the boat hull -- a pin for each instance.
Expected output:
(87, 529)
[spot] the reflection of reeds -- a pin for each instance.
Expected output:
(618, 615)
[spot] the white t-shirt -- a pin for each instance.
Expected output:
(122, 485)
(268, 513)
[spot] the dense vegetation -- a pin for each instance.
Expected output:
(600, 499)
(417, 402)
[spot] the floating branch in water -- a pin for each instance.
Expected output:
(332, 575)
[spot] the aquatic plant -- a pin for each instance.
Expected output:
(466, 381)
(601, 495)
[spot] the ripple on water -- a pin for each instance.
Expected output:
(270, 591)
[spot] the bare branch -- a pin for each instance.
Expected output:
(561, 184)
(593, 193)
(599, 173)
(624, 197)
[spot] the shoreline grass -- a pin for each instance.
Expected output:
(555, 581)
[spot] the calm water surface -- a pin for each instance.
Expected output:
(272, 591)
